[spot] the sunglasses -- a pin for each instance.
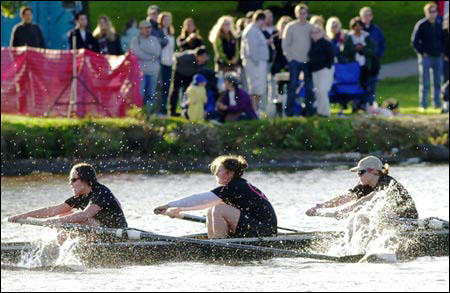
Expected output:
(362, 172)
(73, 180)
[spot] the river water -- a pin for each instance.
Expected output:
(291, 194)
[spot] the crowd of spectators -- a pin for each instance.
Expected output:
(249, 54)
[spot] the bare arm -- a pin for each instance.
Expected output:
(89, 212)
(47, 212)
(338, 201)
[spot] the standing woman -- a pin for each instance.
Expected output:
(321, 57)
(225, 45)
(108, 40)
(337, 36)
(99, 207)
(190, 38)
(235, 209)
(446, 49)
(165, 24)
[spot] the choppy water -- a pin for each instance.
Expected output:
(290, 193)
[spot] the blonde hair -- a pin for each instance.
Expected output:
(110, 30)
(284, 19)
(184, 32)
(236, 164)
(363, 10)
(428, 6)
(161, 16)
(385, 170)
(316, 18)
(445, 22)
(217, 32)
(329, 26)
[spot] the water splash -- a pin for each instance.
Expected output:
(369, 230)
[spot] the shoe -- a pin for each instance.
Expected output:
(422, 109)
(175, 115)
(216, 122)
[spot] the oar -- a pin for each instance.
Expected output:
(136, 234)
(198, 219)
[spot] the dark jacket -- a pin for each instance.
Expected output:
(186, 64)
(110, 47)
(368, 51)
(445, 38)
(280, 61)
(427, 38)
(90, 43)
(243, 103)
(321, 55)
(157, 32)
(191, 45)
(378, 39)
(24, 34)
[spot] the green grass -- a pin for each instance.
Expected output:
(396, 18)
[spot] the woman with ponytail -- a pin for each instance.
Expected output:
(373, 177)
(235, 209)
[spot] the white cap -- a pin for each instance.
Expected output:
(370, 162)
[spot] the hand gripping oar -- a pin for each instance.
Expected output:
(199, 219)
(129, 233)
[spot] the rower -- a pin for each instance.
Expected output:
(99, 207)
(373, 177)
(235, 209)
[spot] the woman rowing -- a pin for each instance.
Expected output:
(97, 205)
(373, 178)
(235, 209)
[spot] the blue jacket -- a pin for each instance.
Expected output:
(378, 38)
(427, 38)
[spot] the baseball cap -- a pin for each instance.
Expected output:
(369, 162)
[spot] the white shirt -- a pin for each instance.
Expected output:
(359, 40)
(232, 97)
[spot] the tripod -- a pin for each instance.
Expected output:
(73, 100)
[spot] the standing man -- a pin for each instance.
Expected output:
(84, 38)
(148, 51)
(296, 44)
(152, 17)
(26, 33)
(427, 41)
(255, 55)
(186, 65)
(380, 45)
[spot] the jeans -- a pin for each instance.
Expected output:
(295, 68)
(425, 64)
(166, 78)
(148, 87)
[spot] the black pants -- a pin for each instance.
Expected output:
(178, 81)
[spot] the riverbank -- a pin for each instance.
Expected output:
(55, 144)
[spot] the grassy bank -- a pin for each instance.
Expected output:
(396, 18)
(34, 138)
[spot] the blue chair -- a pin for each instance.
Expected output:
(346, 86)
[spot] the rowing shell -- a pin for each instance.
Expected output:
(419, 243)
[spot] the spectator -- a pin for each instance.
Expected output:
(280, 61)
(84, 38)
(108, 40)
(269, 32)
(196, 98)
(254, 55)
(296, 44)
(148, 50)
(317, 20)
(165, 23)
(25, 33)
(152, 17)
(241, 24)
(380, 44)
(186, 65)
(234, 104)
(358, 46)
(190, 38)
(427, 41)
(226, 49)
(130, 31)
(337, 36)
(446, 49)
(321, 57)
